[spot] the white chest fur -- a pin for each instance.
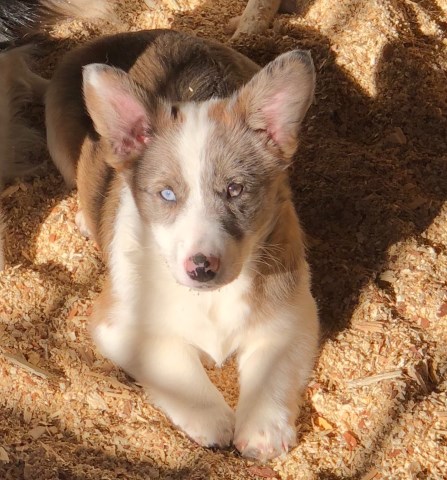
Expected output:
(152, 303)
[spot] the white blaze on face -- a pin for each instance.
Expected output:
(193, 231)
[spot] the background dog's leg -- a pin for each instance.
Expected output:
(257, 16)
(288, 6)
(38, 86)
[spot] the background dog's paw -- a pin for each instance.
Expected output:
(263, 438)
(209, 426)
(82, 224)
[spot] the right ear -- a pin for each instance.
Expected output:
(114, 103)
(275, 101)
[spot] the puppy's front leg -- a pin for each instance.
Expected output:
(179, 385)
(168, 367)
(274, 366)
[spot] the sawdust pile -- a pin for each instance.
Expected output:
(371, 187)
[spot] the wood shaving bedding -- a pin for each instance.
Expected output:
(371, 190)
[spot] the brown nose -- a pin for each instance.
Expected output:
(202, 268)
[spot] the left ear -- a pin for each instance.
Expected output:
(116, 106)
(277, 98)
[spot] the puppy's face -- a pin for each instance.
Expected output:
(206, 176)
(206, 185)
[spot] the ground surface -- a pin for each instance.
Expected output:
(371, 188)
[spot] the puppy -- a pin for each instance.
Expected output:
(179, 148)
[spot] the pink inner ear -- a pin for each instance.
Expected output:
(128, 124)
(276, 118)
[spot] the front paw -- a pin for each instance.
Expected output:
(82, 224)
(263, 435)
(209, 426)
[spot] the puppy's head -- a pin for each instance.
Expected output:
(206, 176)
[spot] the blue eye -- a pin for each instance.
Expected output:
(168, 195)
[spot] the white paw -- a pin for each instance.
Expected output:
(262, 436)
(208, 426)
(82, 224)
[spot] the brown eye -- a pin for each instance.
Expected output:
(234, 189)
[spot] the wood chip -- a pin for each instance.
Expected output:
(396, 137)
(371, 209)
(262, 471)
(365, 381)
(424, 323)
(419, 373)
(96, 401)
(388, 276)
(373, 473)
(37, 432)
(25, 365)
(442, 312)
(323, 423)
(366, 326)
(350, 439)
(4, 457)
(441, 416)
(110, 380)
(8, 191)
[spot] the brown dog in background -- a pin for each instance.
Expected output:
(19, 86)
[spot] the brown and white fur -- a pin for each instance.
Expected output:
(19, 86)
(21, 18)
(173, 115)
